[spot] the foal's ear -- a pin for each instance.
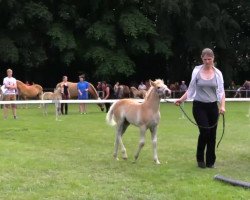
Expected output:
(151, 83)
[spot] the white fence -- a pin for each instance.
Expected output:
(101, 101)
(229, 93)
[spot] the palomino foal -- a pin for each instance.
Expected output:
(56, 96)
(144, 115)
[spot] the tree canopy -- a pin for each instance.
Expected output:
(123, 40)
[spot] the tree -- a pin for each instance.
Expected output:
(123, 39)
(122, 32)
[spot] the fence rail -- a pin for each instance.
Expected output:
(103, 101)
(229, 93)
(177, 94)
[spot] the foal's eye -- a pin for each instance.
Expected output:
(158, 88)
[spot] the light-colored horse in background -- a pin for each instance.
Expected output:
(1, 96)
(74, 93)
(244, 90)
(25, 92)
(122, 91)
(246, 85)
(137, 94)
(56, 96)
(144, 115)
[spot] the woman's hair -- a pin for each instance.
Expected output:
(82, 76)
(208, 52)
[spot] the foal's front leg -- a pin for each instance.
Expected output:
(153, 131)
(57, 109)
(141, 142)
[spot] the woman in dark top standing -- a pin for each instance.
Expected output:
(207, 90)
(65, 94)
(108, 93)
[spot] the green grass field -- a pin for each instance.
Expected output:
(41, 158)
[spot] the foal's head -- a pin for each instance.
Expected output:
(161, 88)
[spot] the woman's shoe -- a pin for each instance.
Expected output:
(201, 165)
(210, 166)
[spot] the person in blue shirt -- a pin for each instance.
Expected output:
(82, 89)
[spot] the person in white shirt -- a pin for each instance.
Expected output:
(207, 90)
(183, 87)
(9, 93)
(142, 86)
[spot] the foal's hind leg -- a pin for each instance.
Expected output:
(123, 149)
(141, 142)
(45, 109)
(153, 131)
(121, 127)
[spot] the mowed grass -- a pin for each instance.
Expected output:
(41, 158)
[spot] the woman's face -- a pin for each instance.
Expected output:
(208, 60)
(9, 73)
(103, 86)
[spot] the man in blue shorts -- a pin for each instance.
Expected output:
(82, 88)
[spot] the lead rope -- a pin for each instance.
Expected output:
(205, 127)
(223, 117)
(223, 130)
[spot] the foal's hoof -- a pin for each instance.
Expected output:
(116, 158)
(157, 162)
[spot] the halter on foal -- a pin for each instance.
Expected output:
(144, 115)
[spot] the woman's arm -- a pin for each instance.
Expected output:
(107, 90)
(68, 92)
(182, 99)
(78, 90)
(222, 108)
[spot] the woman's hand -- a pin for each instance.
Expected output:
(181, 100)
(178, 102)
(222, 110)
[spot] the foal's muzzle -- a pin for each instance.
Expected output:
(167, 92)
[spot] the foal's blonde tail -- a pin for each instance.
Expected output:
(110, 116)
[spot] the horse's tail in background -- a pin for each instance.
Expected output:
(110, 116)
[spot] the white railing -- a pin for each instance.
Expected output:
(101, 101)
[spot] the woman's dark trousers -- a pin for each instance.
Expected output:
(206, 115)
(64, 105)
